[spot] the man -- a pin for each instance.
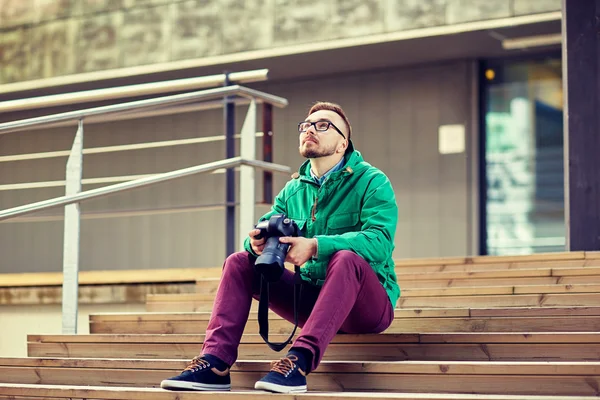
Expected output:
(347, 212)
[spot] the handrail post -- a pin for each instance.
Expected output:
(229, 122)
(247, 185)
(70, 286)
(267, 152)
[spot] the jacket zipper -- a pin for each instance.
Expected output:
(314, 210)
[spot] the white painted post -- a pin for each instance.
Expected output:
(71, 237)
(247, 185)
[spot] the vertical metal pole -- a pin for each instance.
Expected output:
(71, 237)
(229, 122)
(267, 152)
(247, 184)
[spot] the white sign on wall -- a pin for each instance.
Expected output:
(451, 139)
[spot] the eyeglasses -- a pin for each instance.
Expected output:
(320, 126)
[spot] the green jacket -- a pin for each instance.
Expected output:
(355, 209)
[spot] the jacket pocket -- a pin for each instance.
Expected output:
(301, 224)
(342, 222)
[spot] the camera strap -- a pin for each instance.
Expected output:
(263, 310)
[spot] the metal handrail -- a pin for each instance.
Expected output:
(207, 94)
(228, 94)
(141, 89)
(138, 183)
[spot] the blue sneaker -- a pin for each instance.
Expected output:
(285, 377)
(200, 374)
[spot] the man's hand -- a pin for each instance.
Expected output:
(301, 249)
(257, 244)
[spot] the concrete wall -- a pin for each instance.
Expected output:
(20, 321)
(395, 116)
(49, 38)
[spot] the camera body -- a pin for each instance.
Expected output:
(271, 262)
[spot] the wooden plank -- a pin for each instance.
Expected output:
(195, 339)
(592, 255)
(491, 301)
(205, 316)
(533, 368)
(117, 393)
(401, 276)
(184, 306)
(575, 271)
(458, 291)
(572, 255)
(500, 290)
(180, 297)
(503, 265)
(588, 267)
(198, 323)
(90, 294)
(207, 286)
(496, 324)
(570, 288)
(418, 262)
(534, 312)
(555, 378)
(112, 277)
(512, 338)
(441, 283)
(207, 289)
(441, 261)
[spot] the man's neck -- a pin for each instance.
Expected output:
(323, 164)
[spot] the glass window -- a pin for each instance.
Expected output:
(523, 163)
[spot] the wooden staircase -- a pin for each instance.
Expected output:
(465, 328)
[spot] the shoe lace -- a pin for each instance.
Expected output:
(284, 366)
(197, 363)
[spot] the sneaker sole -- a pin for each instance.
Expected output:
(272, 387)
(167, 384)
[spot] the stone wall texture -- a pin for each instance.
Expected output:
(47, 38)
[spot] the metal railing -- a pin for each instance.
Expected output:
(73, 194)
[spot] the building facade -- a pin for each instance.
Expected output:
(458, 102)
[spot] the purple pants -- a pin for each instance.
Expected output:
(352, 300)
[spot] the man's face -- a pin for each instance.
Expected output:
(315, 144)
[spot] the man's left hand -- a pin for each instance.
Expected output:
(301, 249)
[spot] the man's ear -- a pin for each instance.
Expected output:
(342, 148)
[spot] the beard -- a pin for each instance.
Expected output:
(316, 152)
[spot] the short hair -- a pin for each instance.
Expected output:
(324, 105)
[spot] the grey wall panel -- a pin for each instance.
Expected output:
(454, 187)
(395, 116)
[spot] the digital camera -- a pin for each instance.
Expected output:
(271, 262)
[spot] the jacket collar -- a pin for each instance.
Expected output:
(354, 163)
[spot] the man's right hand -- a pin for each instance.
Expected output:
(257, 244)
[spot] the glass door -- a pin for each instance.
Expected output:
(523, 163)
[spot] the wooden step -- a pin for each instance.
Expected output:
(499, 266)
(187, 346)
(456, 320)
(533, 378)
(461, 346)
(558, 256)
(426, 291)
(37, 392)
(433, 299)
(493, 290)
(204, 302)
(515, 300)
(497, 273)
(209, 286)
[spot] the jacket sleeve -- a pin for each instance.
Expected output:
(378, 216)
(278, 207)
